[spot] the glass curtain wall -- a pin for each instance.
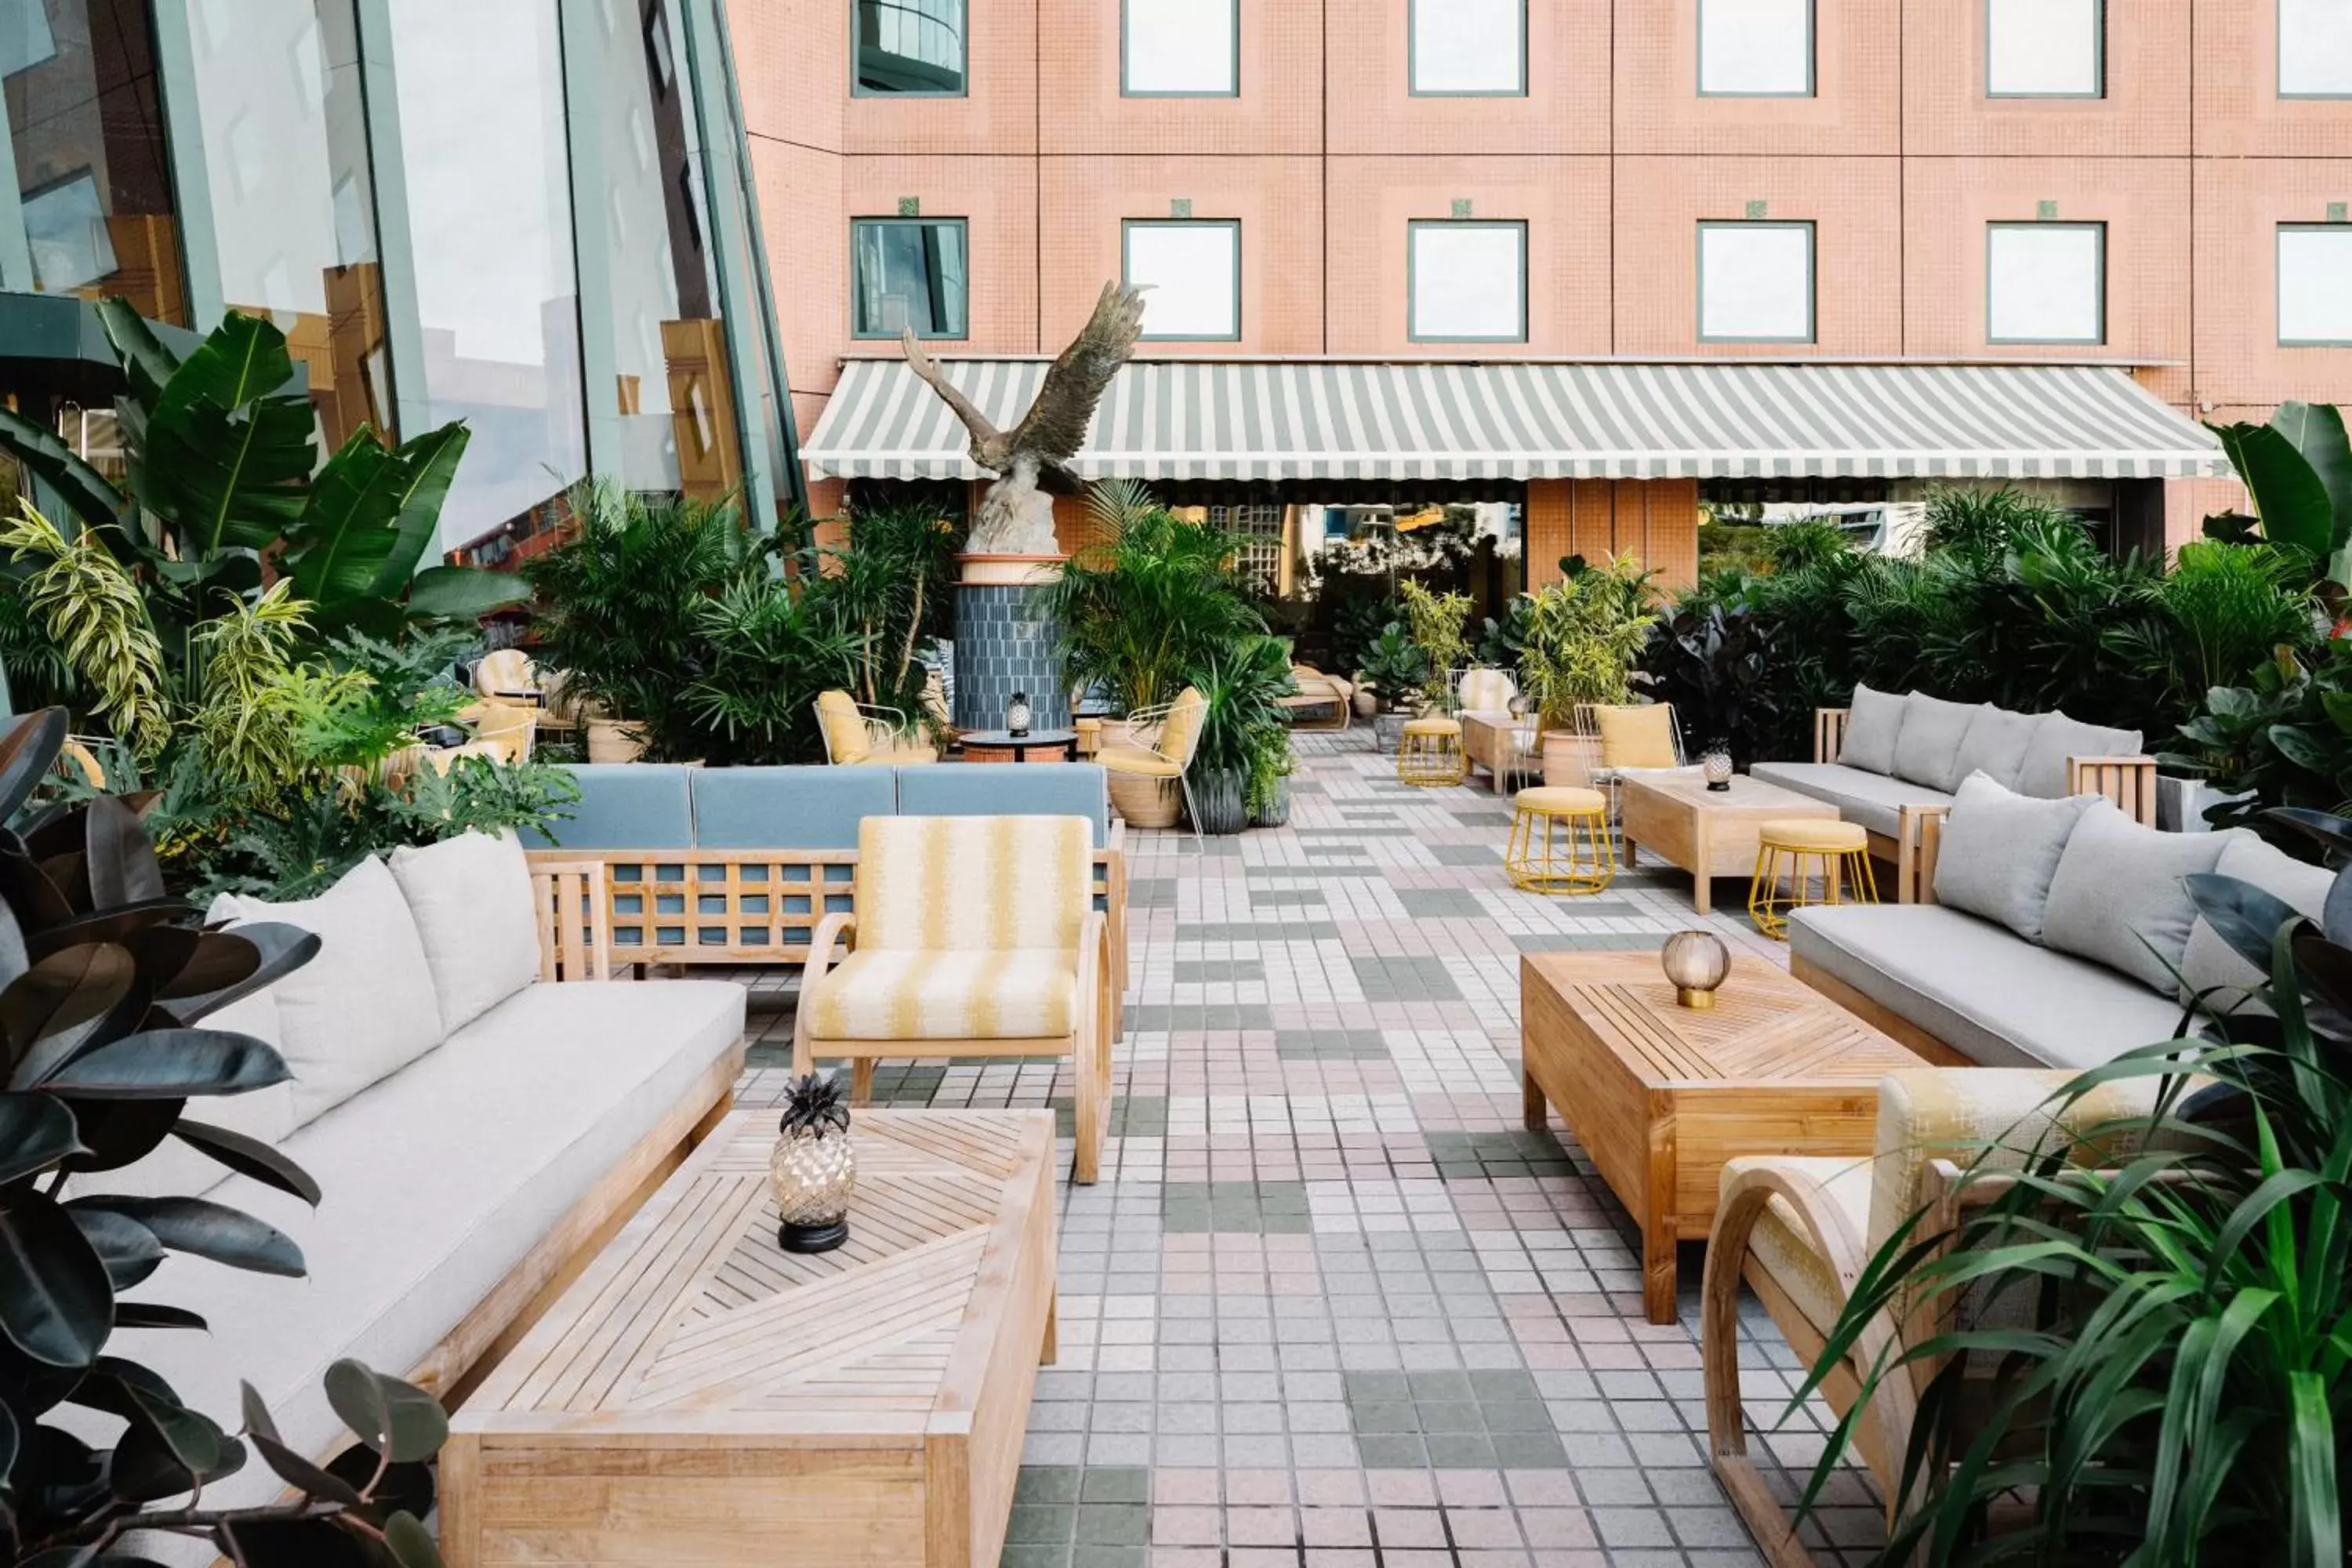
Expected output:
(93, 177)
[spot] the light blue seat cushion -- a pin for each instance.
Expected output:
(1023, 789)
(787, 809)
(624, 806)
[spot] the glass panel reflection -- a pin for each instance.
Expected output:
(286, 166)
(673, 396)
(910, 273)
(480, 91)
(87, 127)
(909, 45)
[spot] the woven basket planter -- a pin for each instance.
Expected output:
(614, 741)
(1143, 802)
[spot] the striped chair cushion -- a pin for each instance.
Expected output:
(901, 993)
(974, 884)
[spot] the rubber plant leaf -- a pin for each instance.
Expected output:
(2289, 497)
(205, 1229)
(250, 1157)
(47, 1011)
(162, 1064)
(282, 949)
(227, 455)
(2316, 431)
(28, 750)
(36, 1132)
(56, 1305)
(397, 1419)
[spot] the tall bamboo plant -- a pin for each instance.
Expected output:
(1584, 637)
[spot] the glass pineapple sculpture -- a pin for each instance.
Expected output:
(813, 1170)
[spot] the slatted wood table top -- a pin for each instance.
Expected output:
(1661, 1095)
(892, 1374)
(1708, 833)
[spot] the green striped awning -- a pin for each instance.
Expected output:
(1211, 419)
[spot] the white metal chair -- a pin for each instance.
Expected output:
(1140, 768)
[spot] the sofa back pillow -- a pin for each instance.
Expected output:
(2118, 896)
(1929, 746)
(1995, 746)
(470, 897)
(2056, 738)
(1999, 851)
(364, 1007)
(1873, 724)
(2211, 966)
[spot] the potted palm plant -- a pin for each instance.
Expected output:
(1582, 638)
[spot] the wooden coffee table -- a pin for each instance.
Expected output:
(699, 1394)
(1661, 1095)
(1707, 833)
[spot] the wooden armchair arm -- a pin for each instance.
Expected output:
(1919, 837)
(823, 952)
(2128, 781)
(1091, 1048)
(1829, 732)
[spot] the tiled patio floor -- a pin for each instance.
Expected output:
(1330, 1306)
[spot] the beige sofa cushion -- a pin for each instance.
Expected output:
(2056, 738)
(1999, 851)
(2118, 896)
(1873, 724)
(1928, 749)
(470, 897)
(1874, 800)
(2211, 966)
(1995, 746)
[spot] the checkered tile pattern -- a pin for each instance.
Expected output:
(1330, 1306)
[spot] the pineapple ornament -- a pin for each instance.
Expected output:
(813, 1169)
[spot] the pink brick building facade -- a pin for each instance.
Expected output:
(1900, 157)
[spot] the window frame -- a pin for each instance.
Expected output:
(963, 64)
(1412, 61)
(2278, 66)
(1997, 225)
(1412, 294)
(2098, 63)
(963, 225)
(2278, 284)
(1126, 90)
(1813, 279)
(1127, 228)
(1812, 88)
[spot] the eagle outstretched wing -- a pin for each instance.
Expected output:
(983, 433)
(1055, 425)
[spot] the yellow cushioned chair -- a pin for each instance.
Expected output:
(1158, 746)
(1638, 737)
(507, 728)
(858, 735)
(976, 936)
(509, 673)
(1797, 1230)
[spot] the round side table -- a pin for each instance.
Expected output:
(1003, 746)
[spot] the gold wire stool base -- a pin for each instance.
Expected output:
(1431, 762)
(1571, 853)
(1785, 874)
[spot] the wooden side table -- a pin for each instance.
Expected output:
(1708, 833)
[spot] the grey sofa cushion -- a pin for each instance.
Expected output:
(1997, 1000)
(2208, 964)
(1930, 747)
(1874, 800)
(1995, 745)
(1871, 731)
(2057, 738)
(1999, 851)
(2117, 896)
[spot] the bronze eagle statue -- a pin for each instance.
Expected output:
(1031, 461)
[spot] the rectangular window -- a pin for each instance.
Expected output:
(2315, 58)
(1190, 271)
(907, 272)
(2046, 282)
(1756, 282)
(1469, 48)
(1180, 48)
(2045, 48)
(1755, 48)
(1468, 281)
(904, 47)
(2314, 308)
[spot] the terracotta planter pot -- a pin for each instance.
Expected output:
(1569, 760)
(1144, 802)
(614, 741)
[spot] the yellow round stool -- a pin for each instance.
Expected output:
(1561, 842)
(1429, 753)
(1794, 853)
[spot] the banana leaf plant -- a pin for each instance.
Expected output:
(2297, 471)
(105, 985)
(223, 473)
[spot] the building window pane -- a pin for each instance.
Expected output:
(1469, 281)
(1190, 273)
(2044, 48)
(480, 91)
(910, 272)
(2046, 282)
(2315, 305)
(287, 175)
(1756, 48)
(909, 47)
(1756, 282)
(1179, 47)
(91, 167)
(2314, 49)
(1475, 46)
(671, 378)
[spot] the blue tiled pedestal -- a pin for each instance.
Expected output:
(1004, 641)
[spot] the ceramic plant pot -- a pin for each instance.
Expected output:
(1220, 800)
